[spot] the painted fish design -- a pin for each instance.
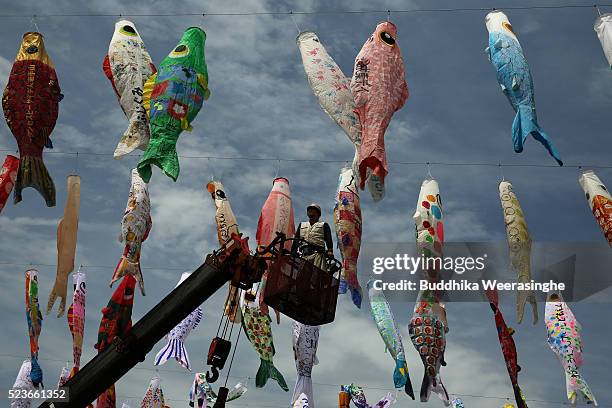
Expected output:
(385, 322)
(519, 243)
(506, 56)
(8, 175)
(276, 216)
(329, 84)
(603, 28)
(504, 334)
(226, 227)
(66, 244)
(457, 403)
(23, 382)
(565, 340)
(359, 399)
(305, 342)
(379, 89)
(135, 227)
(175, 346)
(154, 396)
(202, 393)
(116, 321)
(428, 330)
(128, 66)
(34, 319)
(301, 402)
(173, 97)
(76, 318)
(257, 327)
(428, 220)
(600, 201)
(30, 103)
(347, 220)
(332, 89)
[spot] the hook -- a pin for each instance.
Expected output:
(429, 176)
(277, 168)
(388, 15)
(294, 22)
(215, 375)
(501, 171)
(76, 163)
(598, 10)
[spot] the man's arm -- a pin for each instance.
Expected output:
(327, 236)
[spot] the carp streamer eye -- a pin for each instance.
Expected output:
(128, 30)
(180, 51)
(32, 49)
(508, 27)
(387, 38)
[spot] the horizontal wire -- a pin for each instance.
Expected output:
(408, 163)
(161, 268)
(293, 12)
(247, 378)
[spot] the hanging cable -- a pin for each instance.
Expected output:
(407, 163)
(312, 12)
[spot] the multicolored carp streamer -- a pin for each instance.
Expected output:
(66, 244)
(154, 396)
(202, 394)
(347, 219)
(276, 216)
(173, 97)
(8, 175)
(135, 227)
(359, 399)
(603, 28)
(64, 377)
(175, 347)
(305, 342)
(256, 325)
(389, 331)
(457, 403)
(379, 89)
(23, 382)
(116, 321)
(428, 220)
(519, 243)
(329, 84)
(76, 318)
(428, 328)
(565, 340)
(506, 56)
(226, 226)
(301, 402)
(600, 201)
(30, 103)
(504, 333)
(128, 66)
(34, 319)
(332, 89)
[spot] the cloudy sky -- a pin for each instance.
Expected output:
(262, 106)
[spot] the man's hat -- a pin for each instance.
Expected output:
(315, 206)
